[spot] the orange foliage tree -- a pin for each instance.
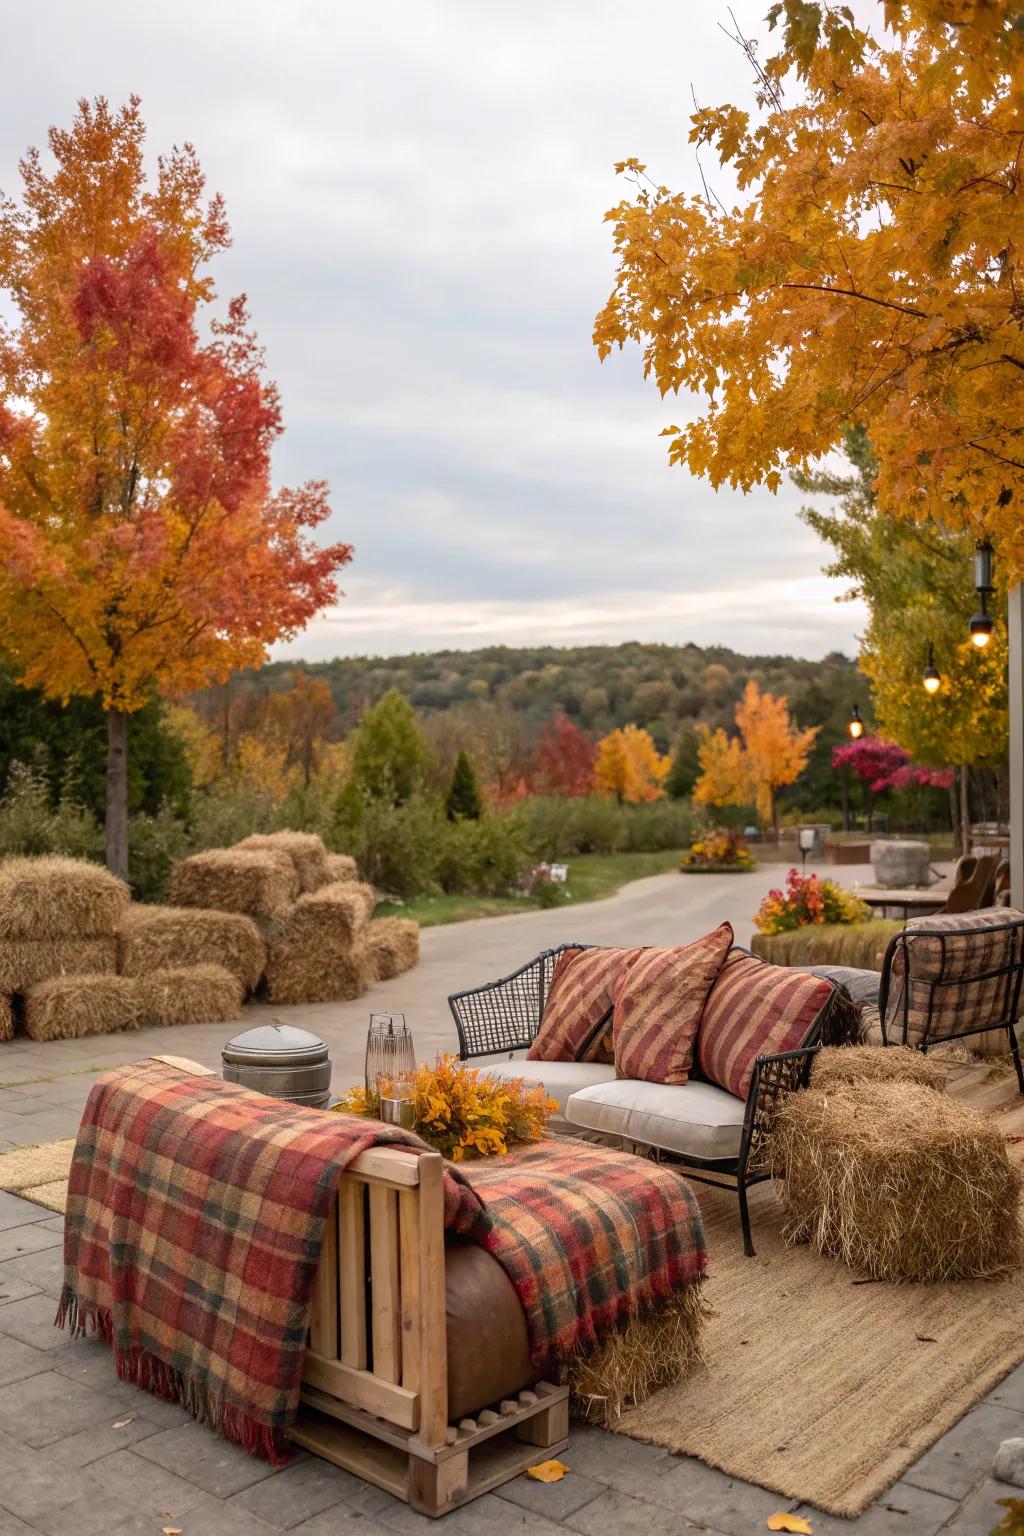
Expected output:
(564, 760)
(300, 717)
(143, 547)
(628, 766)
(768, 754)
(869, 271)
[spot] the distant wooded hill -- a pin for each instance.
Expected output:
(670, 690)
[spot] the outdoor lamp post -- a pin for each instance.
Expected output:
(856, 730)
(807, 839)
(856, 726)
(931, 676)
(982, 624)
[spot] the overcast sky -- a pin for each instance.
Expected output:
(416, 191)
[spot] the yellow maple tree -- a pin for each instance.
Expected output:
(629, 768)
(868, 272)
(769, 753)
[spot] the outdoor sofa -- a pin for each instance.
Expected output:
(718, 1136)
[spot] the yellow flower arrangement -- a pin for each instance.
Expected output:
(465, 1112)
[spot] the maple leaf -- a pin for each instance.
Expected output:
(793, 1523)
(548, 1471)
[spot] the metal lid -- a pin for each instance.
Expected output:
(276, 1045)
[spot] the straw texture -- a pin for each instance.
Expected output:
(24, 962)
(6, 1018)
(898, 1182)
(153, 938)
(330, 919)
(837, 1065)
(58, 898)
(71, 1006)
(393, 946)
(256, 881)
(862, 945)
(297, 974)
(305, 849)
(340, 866)
(195, 994)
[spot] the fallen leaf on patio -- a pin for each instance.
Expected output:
(171, 1530)
(795, 1523)
(548, 1471)
(120, 1423)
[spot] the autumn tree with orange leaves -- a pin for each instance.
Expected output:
(629, 768)
(751, 768)
(867, 271)
(143, 547)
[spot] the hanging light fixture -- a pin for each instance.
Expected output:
(931, 677)
(856, 725)
(982, 624)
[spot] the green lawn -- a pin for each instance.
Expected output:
(591, 876)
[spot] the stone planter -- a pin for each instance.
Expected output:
(899, 863)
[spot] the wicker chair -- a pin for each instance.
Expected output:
(950, 977)
(503, 1016)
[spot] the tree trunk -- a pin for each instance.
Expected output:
(117, 792)
(954, 821)
(965, 808)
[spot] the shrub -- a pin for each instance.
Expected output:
(808, 900)
(560, 827)
(398, 847)
(30, 824)
(651, 828)
(490, 856)
(226, 812)
(155, 843)
(719, 850)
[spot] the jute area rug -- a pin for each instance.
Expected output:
(821, 1386)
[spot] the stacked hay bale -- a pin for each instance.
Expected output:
(153, 939)
(61, 922)
(306, 851)
(318, 953)
(260, 883)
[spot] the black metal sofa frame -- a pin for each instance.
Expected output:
(505, 1015)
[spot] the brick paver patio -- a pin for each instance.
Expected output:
(82, 1454)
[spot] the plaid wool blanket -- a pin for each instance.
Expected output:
(196, 1212)
(589, 1238)
(195, 1216)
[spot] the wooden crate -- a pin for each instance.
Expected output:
(374, 1397)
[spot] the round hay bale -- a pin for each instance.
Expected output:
(340, 867)
(155, 938)
(24, 962)
(897, 1181)
(296, 975)
(191, 994)
(393, 945)
(836, 1065)
(305, 849)
(71, 1006)
(57, 898)
(260, 882)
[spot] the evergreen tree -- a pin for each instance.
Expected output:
(464, 802)
(389, 754)
(685, 769)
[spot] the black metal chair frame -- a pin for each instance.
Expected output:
(1012, 971)
(497, 1028)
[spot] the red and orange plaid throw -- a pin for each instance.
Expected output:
(195, 1215)
(196, 1211)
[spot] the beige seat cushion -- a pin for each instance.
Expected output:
(694, 1119)
(560, 1078)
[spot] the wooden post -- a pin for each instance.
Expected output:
(1015, 625)
(433, 1335)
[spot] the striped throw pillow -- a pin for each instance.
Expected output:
(658, 1005)
(577, 1021)
(755, 1009)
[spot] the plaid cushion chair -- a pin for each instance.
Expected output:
(953, 976)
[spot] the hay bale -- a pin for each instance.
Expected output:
(898, 1182)
(305, 849)
(340, 867)
(260, 882)
(295, 974)
(838, 1065)
(69, 1007)
(329, 921)
(641, 1356)
(191, 994)
(860, 945)
(24, 962)
(57, 898)
(6, 1017)
(155, 938)
(393, 944)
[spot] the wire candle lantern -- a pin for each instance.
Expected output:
(390, 1064)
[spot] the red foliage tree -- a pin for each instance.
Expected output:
(564, 760)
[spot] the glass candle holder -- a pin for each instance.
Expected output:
(390, 1056)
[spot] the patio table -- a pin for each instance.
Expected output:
(910, 901)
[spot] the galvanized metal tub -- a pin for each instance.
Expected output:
(282, 1061)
